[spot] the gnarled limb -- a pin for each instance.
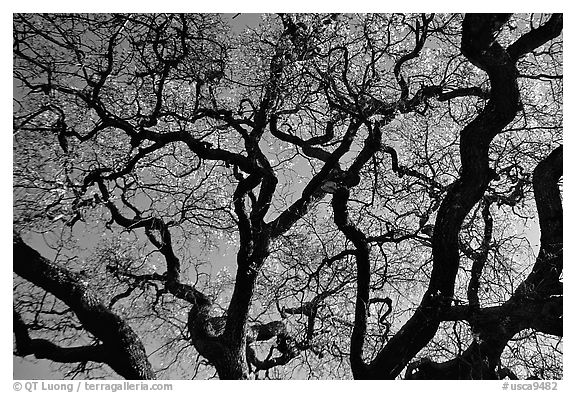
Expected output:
(481, 48)
(536, 304)
(45, 349)
(121, 347)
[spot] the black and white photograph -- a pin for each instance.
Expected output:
(287, 196)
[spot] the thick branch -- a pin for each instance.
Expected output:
(307, 146)
(44, 349)
(537, 302)
(421, 33)
(480, 47)
(313, 191)
(124, 350)
(537, 37)
(480, 257)
(339, 206)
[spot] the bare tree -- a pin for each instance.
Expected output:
(406, 145)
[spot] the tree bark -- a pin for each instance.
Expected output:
(121, 347)
(480, 47)
(536, 304)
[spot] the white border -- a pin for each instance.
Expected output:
(296, 6)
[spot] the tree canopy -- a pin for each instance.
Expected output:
(373, 196)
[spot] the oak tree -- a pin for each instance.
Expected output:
(315, 196)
